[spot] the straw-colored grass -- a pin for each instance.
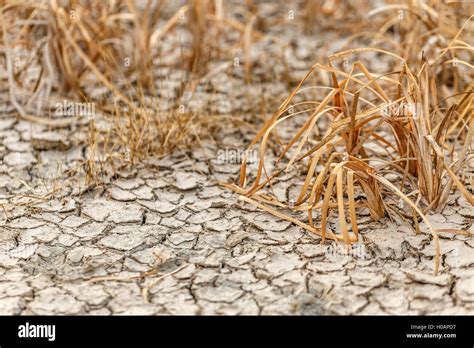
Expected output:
(363, 126)
(108, 54)
(415, 113)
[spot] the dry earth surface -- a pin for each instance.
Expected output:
(210, 253)
(166, 238)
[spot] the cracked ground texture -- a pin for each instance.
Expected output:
(166, 238)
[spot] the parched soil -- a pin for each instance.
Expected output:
(166, 238)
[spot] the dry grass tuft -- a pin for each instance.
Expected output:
(393, 142)
(391, 137)
(110, 54)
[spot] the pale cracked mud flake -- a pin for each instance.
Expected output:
(159, 206)
(73, 221)
(19, 159)
(21, 251)
(205, 276)
(465, 289)
(243, 276)
(98, 209)
(235, 238)
(12, 305)
(178, 238)
(186, 181)
(66, 240)
(55, 301)
(125, 240)
(7, 123)
(171, 222)
(129, 184)
(18, 146)
(428, 278)
(14, 289)
(89, 231)
(45, 234)
(368, 278)
(428, 292)
(144, 193)
(92, 294)
(387, 241)
(279, 264)
(394, 301)
(121, 195)
(221, 225)
(155, 255)
(268, 222)
(218, 294)
(204, 216)
(77, 254)
(331, 263)
(461, 256)
(126, 213)
(25, 222)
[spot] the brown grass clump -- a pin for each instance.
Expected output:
(116, 55)
(106, 54)
(414, 122)
(391, 137)
(93, 52)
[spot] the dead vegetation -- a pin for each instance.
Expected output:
(393, 140)
(420, 114)
(113, 55)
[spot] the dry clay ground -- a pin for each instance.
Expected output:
(200, 251)
(165, 238)
(205, 253)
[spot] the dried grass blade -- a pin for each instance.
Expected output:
(340, 205)
(351, 197)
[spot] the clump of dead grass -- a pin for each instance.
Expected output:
(414, 122)
(109, 53)
(417, 111)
